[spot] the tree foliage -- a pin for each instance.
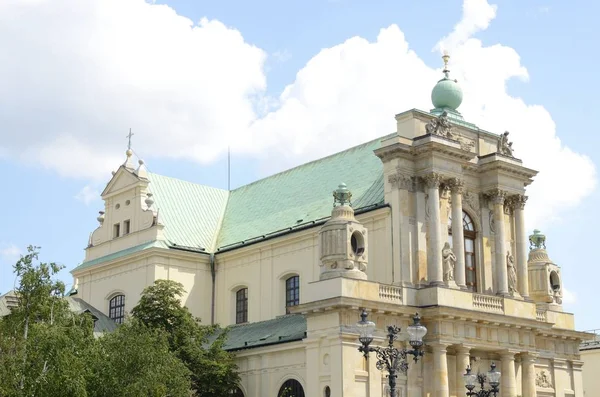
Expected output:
(161, 351)
(200, 347)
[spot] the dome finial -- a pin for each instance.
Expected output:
(446, 58)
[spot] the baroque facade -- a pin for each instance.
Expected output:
(430, 219)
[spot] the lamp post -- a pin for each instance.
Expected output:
(493, 379)
(389, 357)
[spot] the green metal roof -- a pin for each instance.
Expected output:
(302, 194)
(102, 324)
(118, 254)
(201, 217)
(278, 330)
(191, 213)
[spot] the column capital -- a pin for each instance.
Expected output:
(463, 349)
(497, 196)
(438, 346)
(433, 180)
(529, 357)
(516, 201)
(456, 185)
(508, 354)
(401, 181)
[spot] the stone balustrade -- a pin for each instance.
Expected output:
(390, 293)
(540, 315)
(488, 303)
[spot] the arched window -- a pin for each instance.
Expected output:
(237, 392)
(241, 306)
(291, 388)
(292, 292)
(116, 308)
(469, 235)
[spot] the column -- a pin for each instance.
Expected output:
(528, 379)
(440, 370)
(508, 381)
(458, 239)
(462, 362)
(435, 272)
(521, 243)
(500, 243)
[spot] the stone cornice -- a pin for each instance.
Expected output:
(427, 145)
(497, 163)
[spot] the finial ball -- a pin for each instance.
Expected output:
(129, 152)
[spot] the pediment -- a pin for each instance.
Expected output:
(122, 179)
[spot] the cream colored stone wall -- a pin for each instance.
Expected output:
(264, 267)
(591, 372)
(130, 275)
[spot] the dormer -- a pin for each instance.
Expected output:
(129, 218)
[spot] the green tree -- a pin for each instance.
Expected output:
(43, 344)
(200, 347)
(135, 360)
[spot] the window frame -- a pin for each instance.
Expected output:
(292, 284)
(116, 230)
(241, 305)
(126, 227)
(469, 233)
(116, 310)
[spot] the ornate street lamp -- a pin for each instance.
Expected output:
(389, 357)
(493, 379)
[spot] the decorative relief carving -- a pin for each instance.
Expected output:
(517, 201)
(472, 200)
(504, 146)
(542, 379)
(466, 143)
(492, 222)
(441, 126)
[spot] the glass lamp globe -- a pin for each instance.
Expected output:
(365, 329)
(416, 332)
(493, 376)
(470, 379)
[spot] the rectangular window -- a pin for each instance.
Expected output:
(292, 292)
(126, 227)
(116, 230)
(241, 306)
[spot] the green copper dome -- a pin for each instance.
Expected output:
(446, 94)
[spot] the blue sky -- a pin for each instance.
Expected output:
(63, 122)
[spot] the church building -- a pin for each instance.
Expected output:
(427, 219)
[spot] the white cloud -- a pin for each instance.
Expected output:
(87, 194)
(569, 297)
(90, 70)
(9, 253)
(76, 75)
(282, 56)
(477, 15)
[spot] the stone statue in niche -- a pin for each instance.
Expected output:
(543, 380)
(449, 262)
(440, 126)
(504, 146)
(512, 273)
